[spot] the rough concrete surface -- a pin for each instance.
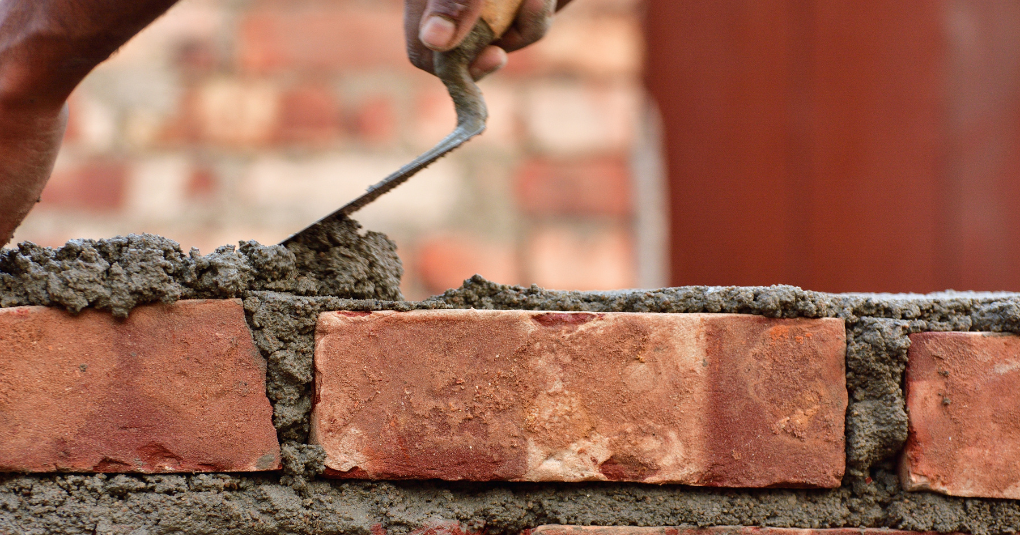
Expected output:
(283, 295)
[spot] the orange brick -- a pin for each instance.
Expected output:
(571, 118)
(696, 399)
(434, 116)
(233, 112)
(178, 388)
(376, 121)
(321, 36)
(308, 114)
(565, 258)
(964, 409)
(444, 261)
(94, 185)
(598, 186)
(569, 48)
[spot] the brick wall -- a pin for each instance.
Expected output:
(234, 120)
(277, 413)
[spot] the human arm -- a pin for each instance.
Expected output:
(46, 48)
(440, 25)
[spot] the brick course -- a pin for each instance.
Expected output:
(178, 388)
(964, 415)
(697, 399)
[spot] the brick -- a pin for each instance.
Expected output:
(202, 185)
(236, 113)
(434, 116)
(376, 121)
(571, 118)
(566, 258)
(720, 530)
(309, 114)
(158, 187)
(598, 186)
(92, 124)
(445, 260)
(321, 36)
(278, 187)
(93, 185)
(695, 399)
(503, 130)
(174, 388)
(964, 411)
(569, 49)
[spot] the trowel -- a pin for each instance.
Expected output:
(452, 68)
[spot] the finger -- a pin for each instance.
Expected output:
(532, 23)
(419, 55)
(490, 60)
(445, 23)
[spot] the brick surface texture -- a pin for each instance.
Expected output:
(721, 530)
(964, 414)
(697, 399)
(177, 388)
(226, 89)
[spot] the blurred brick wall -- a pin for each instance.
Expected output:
(232, 120)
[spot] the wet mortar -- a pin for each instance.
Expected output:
(284, 290)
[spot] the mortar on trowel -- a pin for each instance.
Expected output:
(452, 68)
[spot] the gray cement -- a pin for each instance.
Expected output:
(284, 289)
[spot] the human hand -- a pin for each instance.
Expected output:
(440, 25)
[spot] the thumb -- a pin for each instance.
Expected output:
(445, 23)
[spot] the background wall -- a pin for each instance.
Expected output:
(841, 146)
(233, 120)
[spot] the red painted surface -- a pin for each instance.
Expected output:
(865, 146)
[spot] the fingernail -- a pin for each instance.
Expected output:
(437, 32)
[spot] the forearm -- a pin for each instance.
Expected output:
(48, 46)
(29, 142)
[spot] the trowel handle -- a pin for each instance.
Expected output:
(500, 14)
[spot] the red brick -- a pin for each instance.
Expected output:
(308, 114)
(722, 530)
(178, 388)
(696, 399)
(95, 186)
(376, 121)
(434, 116)
(202, 184)
(964, 409)
(598, 186)
(321, 36)
(444, 261)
